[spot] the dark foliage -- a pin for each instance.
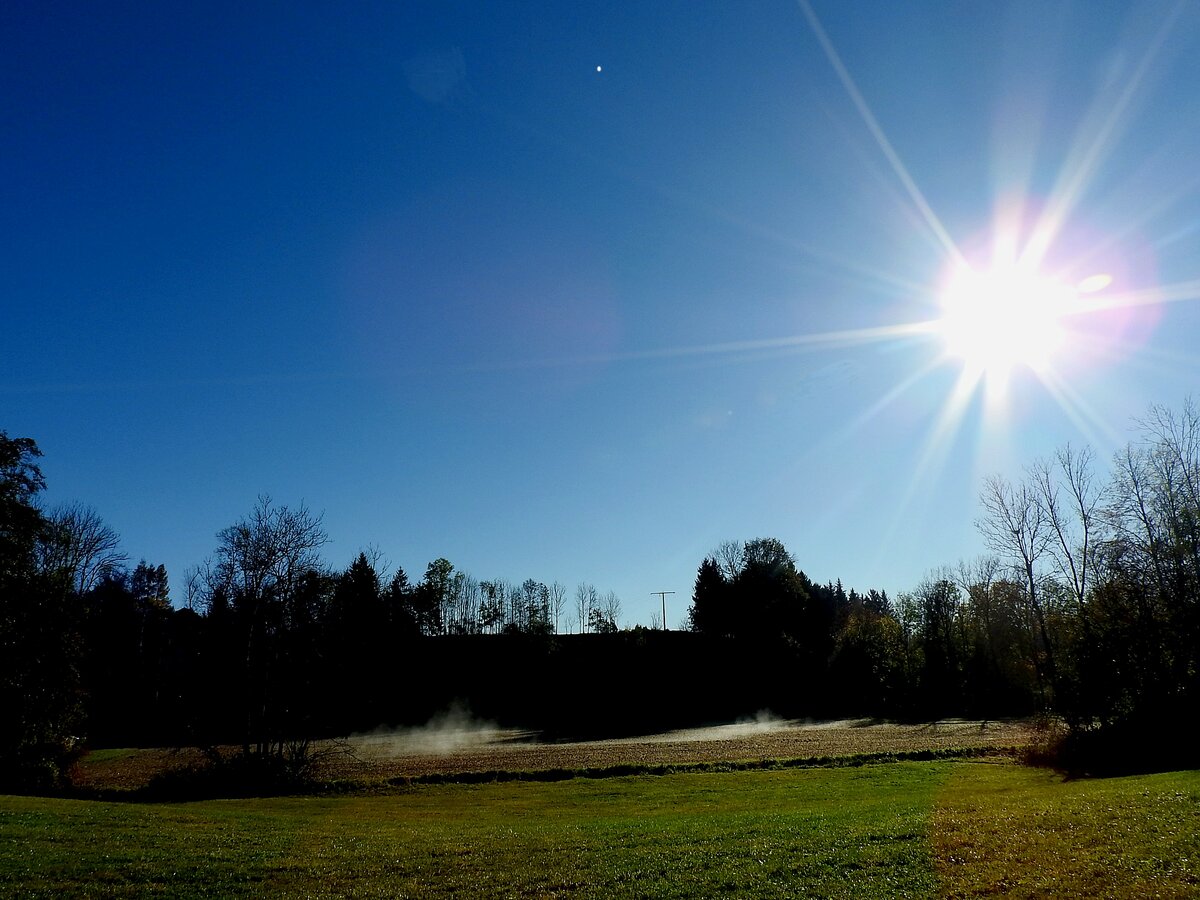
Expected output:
(40, 689)
(1089, 612)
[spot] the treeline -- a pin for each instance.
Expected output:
(1107, 571)
(270, 645)
(938, 651)
(1089, 608)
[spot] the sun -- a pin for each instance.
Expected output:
(1003, 318)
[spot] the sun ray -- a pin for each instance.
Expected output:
(1081, 413)
(944, 429)
(1152, 296)
(868, 117)
(848, 337)
(691, 200)
(895, 393)
(935, 447)
(792, 244)
(1135, 224)
(843, 435)
(1077, 173)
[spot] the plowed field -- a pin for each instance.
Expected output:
(456, 747)
(390, 755)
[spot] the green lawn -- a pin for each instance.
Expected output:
(905, 829)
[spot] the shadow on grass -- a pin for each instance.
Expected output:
(1113, 751)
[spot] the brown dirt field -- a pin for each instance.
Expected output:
(377, 756)
(413, 752)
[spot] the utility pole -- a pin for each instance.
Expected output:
(662, 594)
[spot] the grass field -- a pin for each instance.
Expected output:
(950, 828)
(1024, 832)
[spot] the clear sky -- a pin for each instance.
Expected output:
(576, 291)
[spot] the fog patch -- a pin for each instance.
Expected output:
(762, 722)
(450, 731)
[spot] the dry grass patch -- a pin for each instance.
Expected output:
(1000, 829)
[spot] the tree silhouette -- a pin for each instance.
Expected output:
(40, 644)
(260, 565)
(711, 600)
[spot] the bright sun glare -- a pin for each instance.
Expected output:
(1008, 316)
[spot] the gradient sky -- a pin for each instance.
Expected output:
(576, 291)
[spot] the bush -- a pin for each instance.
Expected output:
(39, 768)
(285, 768)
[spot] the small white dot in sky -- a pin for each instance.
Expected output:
(598, 68)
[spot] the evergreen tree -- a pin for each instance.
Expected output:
(710, 613)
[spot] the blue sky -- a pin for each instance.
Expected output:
(535, 287)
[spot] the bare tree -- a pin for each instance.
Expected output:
(259, 564)
(1133, 514)
(194, 588)
(611, 605)
(268, 552)
(980, 572)
(585, 601)
(1015, 526)
(491, 606)
(1069, 503)
(558, 603)
(81, 546)
(1154, 504)
(466, 606)
(730, 558)
(379, 562)
(1174, 440)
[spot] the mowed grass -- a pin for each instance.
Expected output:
(896, 830)
(1007, 830)
(854, 832)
